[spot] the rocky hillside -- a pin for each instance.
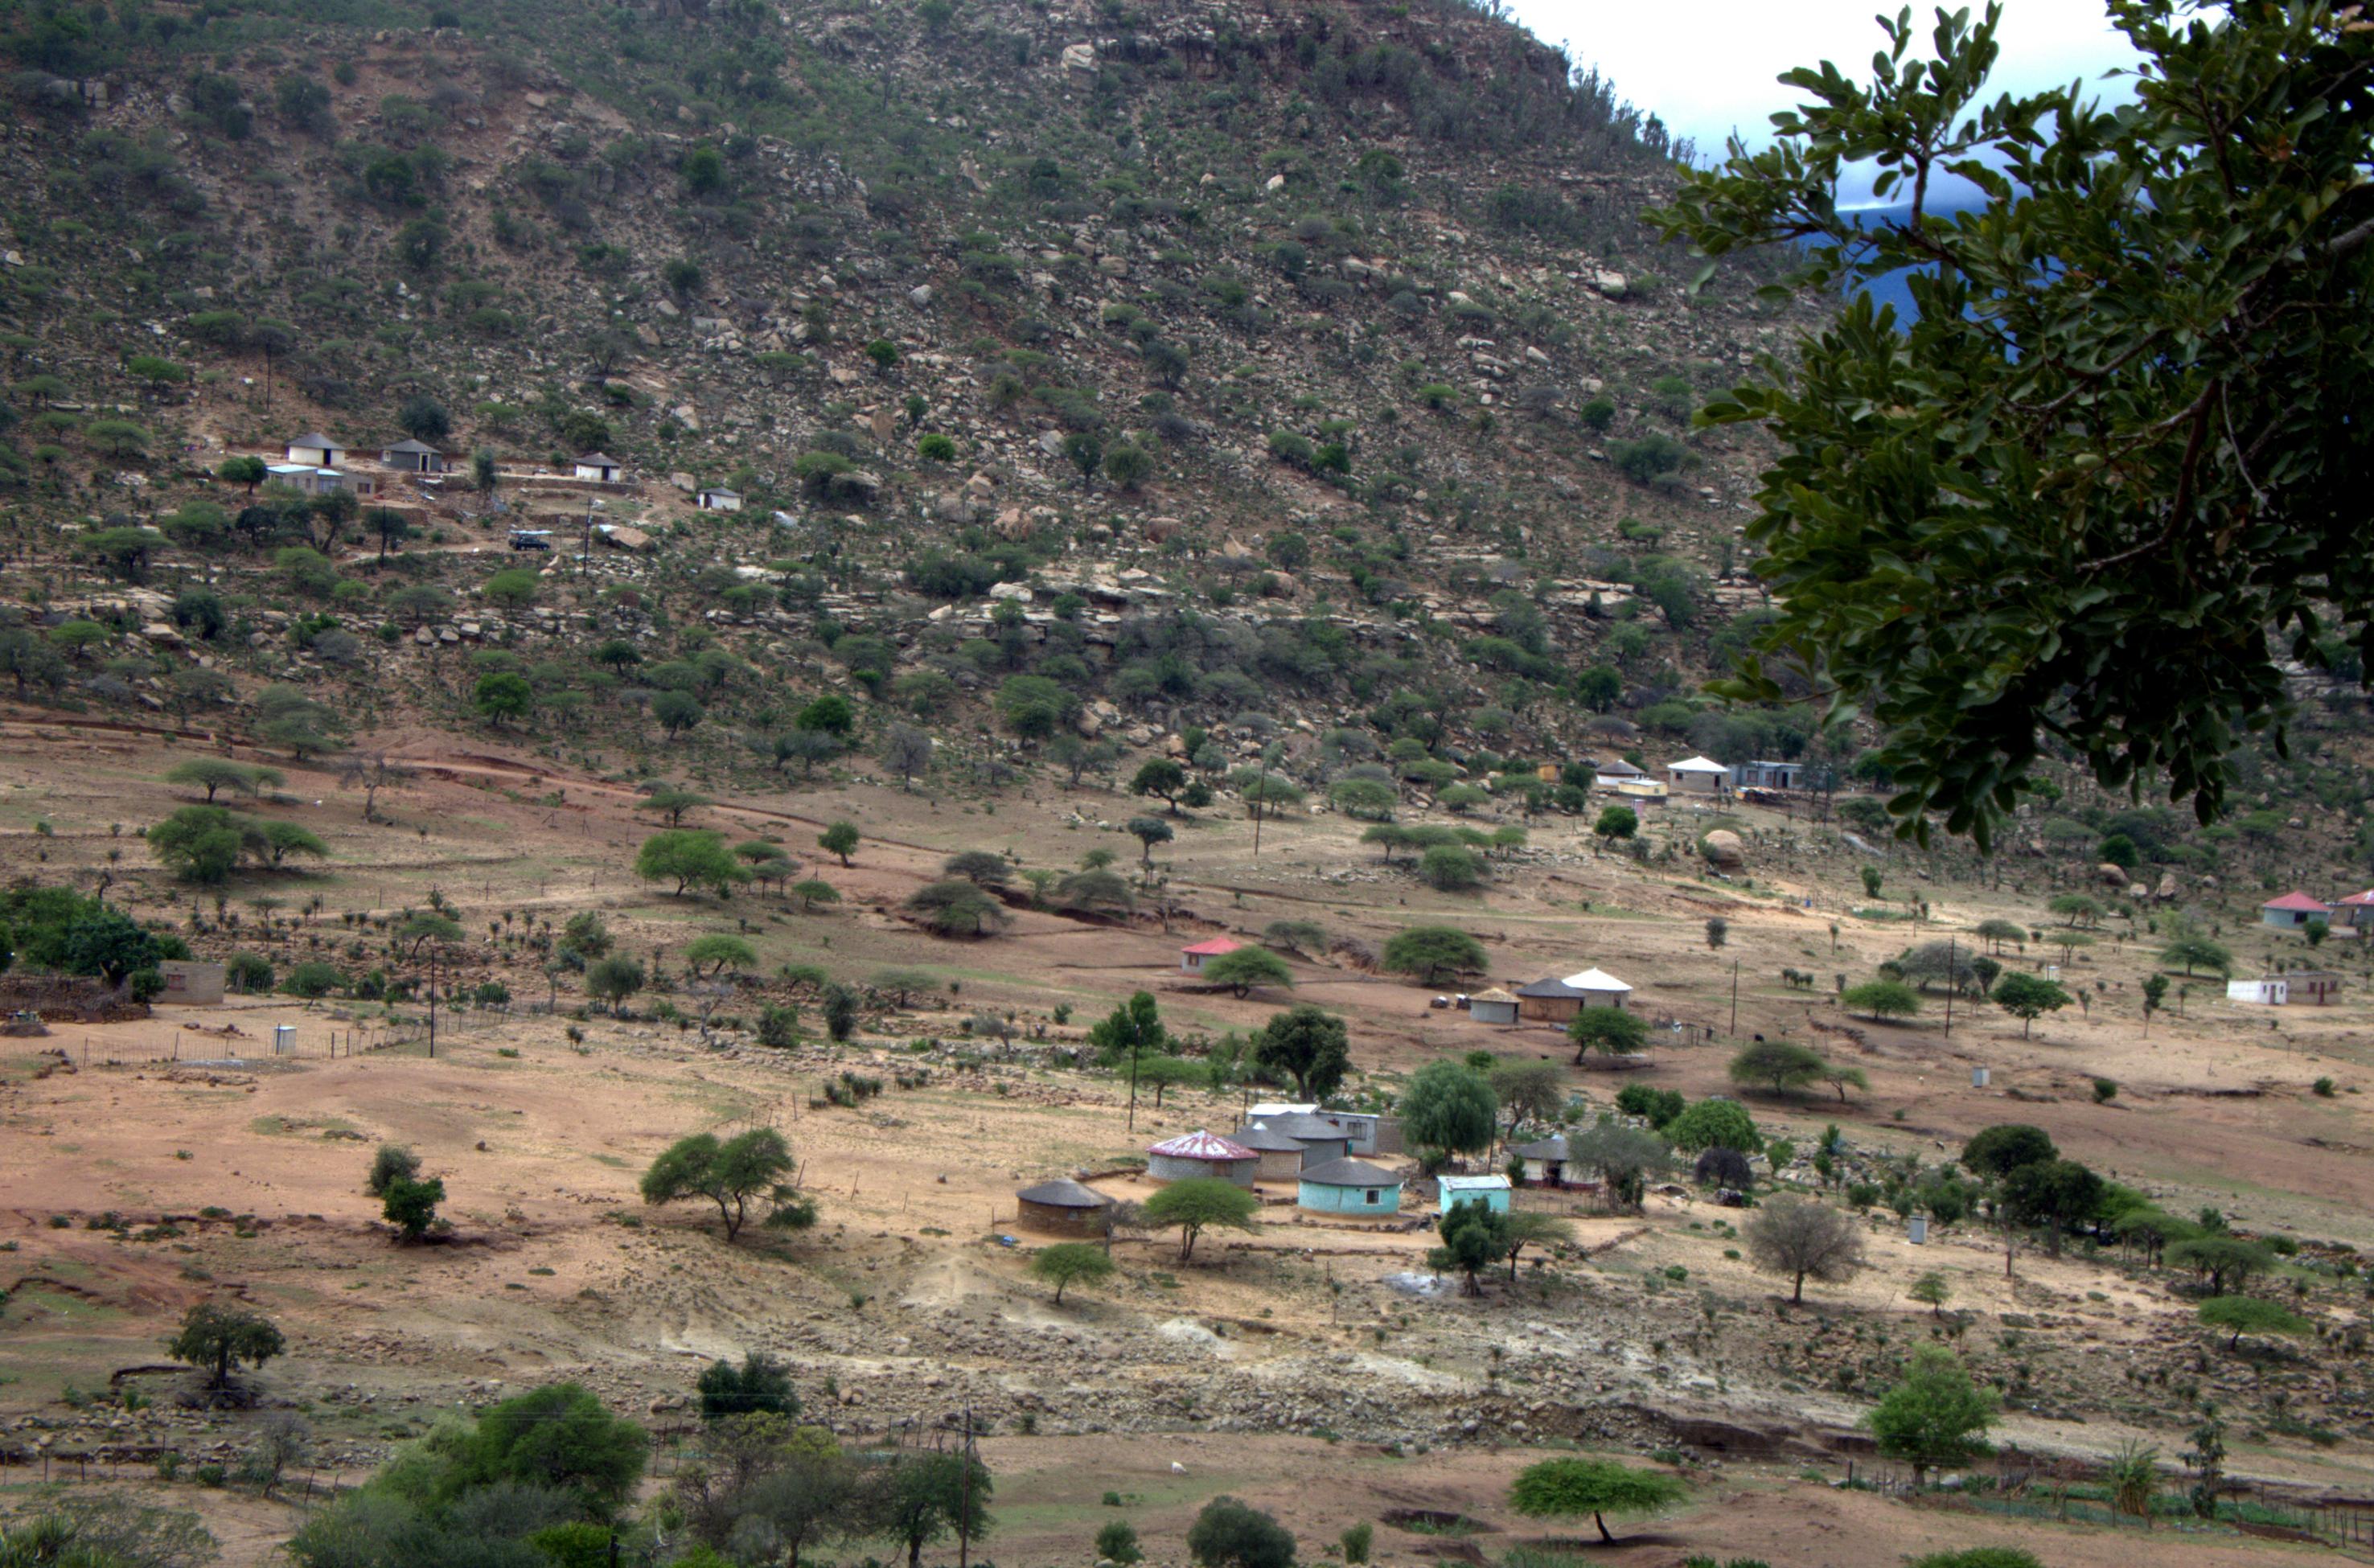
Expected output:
(1075, 370)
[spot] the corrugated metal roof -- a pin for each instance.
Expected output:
(2298, 902)
(1214, 946)
(1306, 1128)
(1546, 1149)
(1267, 1139)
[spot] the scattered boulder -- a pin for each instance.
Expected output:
(2110, 876)
(1723, 849)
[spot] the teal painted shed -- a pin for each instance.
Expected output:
(1492, 1191)
(1349, 1187)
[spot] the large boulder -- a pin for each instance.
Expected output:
(2111, 876)
(1723, 850)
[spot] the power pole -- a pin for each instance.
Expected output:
(1734, 998)
(1949, 988)
(964, 1518)
(1133, 1045)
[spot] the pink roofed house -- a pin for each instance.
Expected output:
(1192, 959)
(2356, 911)
(1202, 1154)
(2293, 910)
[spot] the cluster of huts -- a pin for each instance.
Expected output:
(2352, 916)
(1553, 1000)
(315, 464)
(1327, 1154)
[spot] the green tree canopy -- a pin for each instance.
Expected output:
(2238, 1316)
(1711, 1124)
(1229, 1534)
(1782, 1064)
(1199, 1202)
(558, 1437)
(222, 1338)
(2002, 1149)
(760, 1386)
(689, 858)
(1069, 1263)
(1448, 1109)
(718, 953)
(1933, 1415)
(2108, 499)
(1246, 968)
(1430, 953)
(1881, 999)
(2029, 998)
(728, 1173)
(1571, 1489)
(2198, 953)
(1611, 1031)
(1309, 1046)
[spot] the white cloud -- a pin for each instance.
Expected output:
(1706, 67)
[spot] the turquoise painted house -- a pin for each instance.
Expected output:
(1349, 1187)
(1492, 1191)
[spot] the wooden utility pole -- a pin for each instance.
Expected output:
(1949, 988)
(964, 1515)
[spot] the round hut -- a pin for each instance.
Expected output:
(1349, 1187)
(1322, 1139)
(1202, 1154)
(1066, 1206)
(1281, 1157)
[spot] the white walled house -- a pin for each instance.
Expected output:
(599, 466)
(716, 499)
(315, 450)
(1697, 776)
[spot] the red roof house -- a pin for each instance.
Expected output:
(1192, 959)
(2357, 909)
(2293, 910)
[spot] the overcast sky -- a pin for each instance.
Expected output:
(1706, 68)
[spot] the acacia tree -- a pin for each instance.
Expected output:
(2132, 480)
(1611, 1031)
(1569, 1489)
(1245, 968)
(729, 1172)
(1195, 1204)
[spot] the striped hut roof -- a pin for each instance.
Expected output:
(1202, 1145)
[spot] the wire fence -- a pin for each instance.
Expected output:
(2027, 1486)
(231, 1047)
